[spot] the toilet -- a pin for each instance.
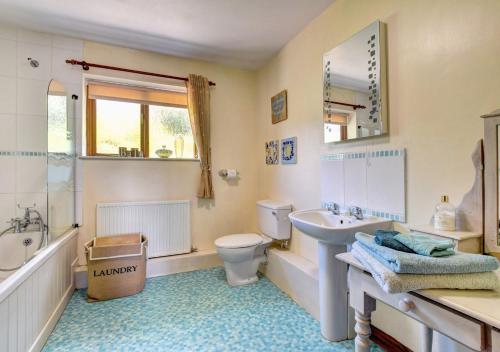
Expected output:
(242, 253)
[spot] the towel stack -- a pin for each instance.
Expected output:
(408, 262)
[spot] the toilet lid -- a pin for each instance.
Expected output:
(239, 240)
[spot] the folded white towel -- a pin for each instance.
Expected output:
(397, 283)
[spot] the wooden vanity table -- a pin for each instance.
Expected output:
(470, 317)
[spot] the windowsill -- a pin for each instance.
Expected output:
(134, 158)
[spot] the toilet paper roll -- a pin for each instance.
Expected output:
(231, 174)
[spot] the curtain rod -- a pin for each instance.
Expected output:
(87, 65)
(354, 106)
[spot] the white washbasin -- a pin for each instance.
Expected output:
(326, 227)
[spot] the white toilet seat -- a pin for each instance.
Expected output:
(239, 240)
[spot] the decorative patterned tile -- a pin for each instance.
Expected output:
(195, 311)
(272, 152)
(289, 150)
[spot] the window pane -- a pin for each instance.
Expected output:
(58, 141)
(118, 124)
(170, 127)
(332, 132)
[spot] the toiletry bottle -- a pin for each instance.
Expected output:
(444, 216)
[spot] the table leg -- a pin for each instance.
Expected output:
(363, 331)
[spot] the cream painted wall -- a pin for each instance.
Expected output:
(443, 73)
(233, 140)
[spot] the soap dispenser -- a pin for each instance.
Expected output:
(444, 215)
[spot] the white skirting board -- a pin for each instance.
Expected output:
(166, 265)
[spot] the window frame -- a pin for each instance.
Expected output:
(91, 130)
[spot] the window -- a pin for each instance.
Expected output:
(134, 117)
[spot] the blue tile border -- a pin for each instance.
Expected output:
(373, 212)
(387, 153)
(36, 154)
(22, 153)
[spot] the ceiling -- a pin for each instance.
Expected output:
(242, 33)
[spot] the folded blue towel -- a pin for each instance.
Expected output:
(386, 239)
(409, 263)
(426, 245)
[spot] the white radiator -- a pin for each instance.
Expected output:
(166, 224)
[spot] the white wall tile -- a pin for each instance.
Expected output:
(31, 133)
(28, 199)
(61, 70)
(332, 181)
(32, 37)
(59, 41)
(31, 174)
(355, 182)
(7, 95)
(8, 174)
(386, 184)
(32, 97)
(8, 61)
(40, 53)
(8, 132)
(7, 208)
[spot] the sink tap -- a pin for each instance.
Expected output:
(334, 209)
(357, 212)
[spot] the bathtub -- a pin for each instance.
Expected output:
(17, 249)
(33, 297)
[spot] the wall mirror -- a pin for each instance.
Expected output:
(60, 159)
(354, 87)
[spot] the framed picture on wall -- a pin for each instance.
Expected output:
(279, 110)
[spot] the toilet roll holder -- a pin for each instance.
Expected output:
(223, 173)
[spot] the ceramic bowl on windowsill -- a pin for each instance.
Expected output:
(163, 153)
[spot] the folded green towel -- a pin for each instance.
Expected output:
(425, 245)
(386, 239)
(392, 282)
(409, 263)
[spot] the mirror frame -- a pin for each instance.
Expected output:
(491, 180)
(384, 101)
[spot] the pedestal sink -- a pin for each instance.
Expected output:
(334, 233)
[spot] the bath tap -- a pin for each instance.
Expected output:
(334, 208)
(357, 212)
(21, 224)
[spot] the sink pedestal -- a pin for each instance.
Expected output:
(333, 298)
(334, 233)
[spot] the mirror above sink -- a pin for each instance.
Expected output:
(354, 87)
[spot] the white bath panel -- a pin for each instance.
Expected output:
(32, 299)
